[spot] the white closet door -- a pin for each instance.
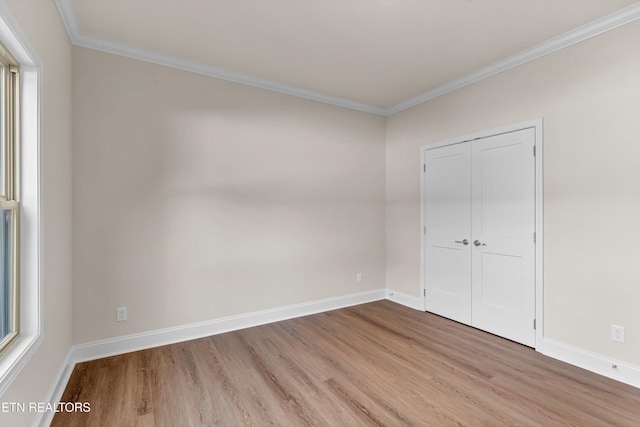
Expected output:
(503, 224)
(447, 220)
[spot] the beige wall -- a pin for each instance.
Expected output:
(196, 198)
(40, 22)
(588, 96)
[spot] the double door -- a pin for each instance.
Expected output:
(479, 240)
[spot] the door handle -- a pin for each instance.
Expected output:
(477, 243)
(464, 242)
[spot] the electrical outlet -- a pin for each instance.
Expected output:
(121, 314)
(617, 333)
(359, 278)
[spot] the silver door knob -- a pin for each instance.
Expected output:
(464, 242)
(477, 243)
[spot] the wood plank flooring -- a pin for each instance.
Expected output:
(378, 364)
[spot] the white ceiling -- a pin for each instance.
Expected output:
(375, 53)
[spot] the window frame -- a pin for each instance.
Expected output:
(32, 279)
(10, 188)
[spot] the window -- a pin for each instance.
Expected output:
(21, 277)
(9, 200)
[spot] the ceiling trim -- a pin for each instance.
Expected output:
(220, 73)
(78, 38)
(584, 32)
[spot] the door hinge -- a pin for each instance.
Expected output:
(424, 167)
(424, 292)
(534, 324)
(534, 237)
(534, 150)
(424, 230)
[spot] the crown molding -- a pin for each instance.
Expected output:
(219, 73)
(65, 8)
(584, 32)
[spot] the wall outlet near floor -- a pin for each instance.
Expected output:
(121, 314)
(358, 277)
(617, 333)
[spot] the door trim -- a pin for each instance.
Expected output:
(537, 125)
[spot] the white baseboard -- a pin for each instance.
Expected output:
(55, 394)
(125, 344)
(623, 372)
(406, 300)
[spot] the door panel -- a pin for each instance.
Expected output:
(503, 223)
(501, 186)
(447, 219)
(502, 277)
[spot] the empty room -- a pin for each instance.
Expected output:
(305, 212)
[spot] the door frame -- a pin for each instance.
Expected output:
(537, 125)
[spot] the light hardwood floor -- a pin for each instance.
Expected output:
(374, 364)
